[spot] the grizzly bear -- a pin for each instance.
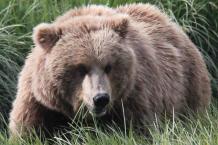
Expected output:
(131, 61)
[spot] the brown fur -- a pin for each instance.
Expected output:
(155, 67)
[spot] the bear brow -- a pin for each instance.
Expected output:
(86, 24)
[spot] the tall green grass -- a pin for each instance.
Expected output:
(10, 61)
(199, 130)
(198, 18)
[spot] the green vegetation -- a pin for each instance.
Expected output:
(199, 18)
(195, 131)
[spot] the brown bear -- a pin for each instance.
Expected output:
(128, 62)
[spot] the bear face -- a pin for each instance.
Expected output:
(83, 63)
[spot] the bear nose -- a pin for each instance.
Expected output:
(101, 100)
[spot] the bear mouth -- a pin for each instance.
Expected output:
(98, 112)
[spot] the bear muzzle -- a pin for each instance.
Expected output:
(101, 102)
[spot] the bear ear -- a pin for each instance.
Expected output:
(120, 25)
(46, 35)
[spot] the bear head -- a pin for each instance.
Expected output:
(85, 60)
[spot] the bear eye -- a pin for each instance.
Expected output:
(82, 70)
(107, 69)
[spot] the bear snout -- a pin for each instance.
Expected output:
(101, 100)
